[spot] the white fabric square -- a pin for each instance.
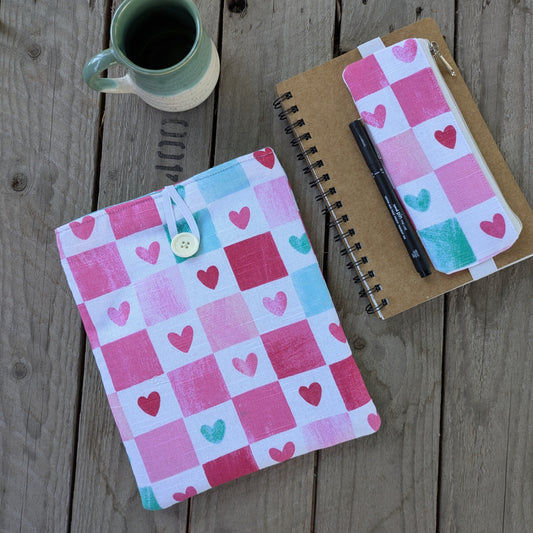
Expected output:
(149, 405)
(382, 114)
(420, 197)
(441, 140)
(216, 431)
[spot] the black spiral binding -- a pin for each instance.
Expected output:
(331, 207)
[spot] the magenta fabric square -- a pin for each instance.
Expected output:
(404, 169)
(133, 217)
(200, 355)
(420, 97)
(131, 360)
(464, 183)
(292, 349)
(255, 261)
(166, 451)
(365, 77)
(350, 383)
(98, 271)
(227, 322)
(162, 296)
(264, 412)
(199, 385)
(277, 202)
(231, 466)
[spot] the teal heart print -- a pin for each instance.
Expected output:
(300, 244)
(420, 202)
(215, 433)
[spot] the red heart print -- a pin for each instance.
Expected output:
(447, 137)
(189, 493)
(246, 366)
(150, 404)
(277, 305)
(241, 218)
(150, 254)
(182, 342)
(407, 52)
(265, 157)
(374, 421)
(282, 455)
(496, 228)
(311, 394)
(377, 118)
(83, 229)
(337, 331)
(209, 277)
(119, 316)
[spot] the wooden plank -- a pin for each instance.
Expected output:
(137, 158)
(488, 435)
(49, 132)
(389, 481)
(263, 44)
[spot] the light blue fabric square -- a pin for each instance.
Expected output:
(312, 290)
(208, 236)
(222, 180)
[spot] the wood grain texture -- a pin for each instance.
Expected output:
(262, 45)
(48, 134)
(389, 481)
(487, 473)
(136, 139)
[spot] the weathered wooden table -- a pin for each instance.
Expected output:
(452, 379)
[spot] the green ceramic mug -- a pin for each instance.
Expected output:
(170, 61)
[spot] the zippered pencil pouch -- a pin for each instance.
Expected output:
(430, 155)
(216, 338)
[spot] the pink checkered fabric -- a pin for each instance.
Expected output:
(461, 218)
(226, 362)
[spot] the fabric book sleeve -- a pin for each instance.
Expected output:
(215, 335)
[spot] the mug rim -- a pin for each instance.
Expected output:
(193, 10)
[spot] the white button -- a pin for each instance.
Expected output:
(185, 244)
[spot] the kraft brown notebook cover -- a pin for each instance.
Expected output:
(318, 112)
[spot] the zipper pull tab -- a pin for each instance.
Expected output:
(435, 52)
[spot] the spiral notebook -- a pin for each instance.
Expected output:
(318, 108)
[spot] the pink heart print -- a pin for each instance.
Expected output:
(407, 52)
(189, 493)
(311, 394)
(374, 421)
(265, 157)
(337, 331)
(150, 404)
(377, 118)
(150, 254)
(119, 316)
(282, 455)
(246, 366)
(209, 277)
(447, 137)
(496, 228)
(241, 218)
(83, 229)
(277, 305)
(182, 342)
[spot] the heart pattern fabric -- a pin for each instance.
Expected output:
(223, 363)
(452, 200)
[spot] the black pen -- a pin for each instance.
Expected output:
(400, 217)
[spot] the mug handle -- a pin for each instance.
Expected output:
(98, 64)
